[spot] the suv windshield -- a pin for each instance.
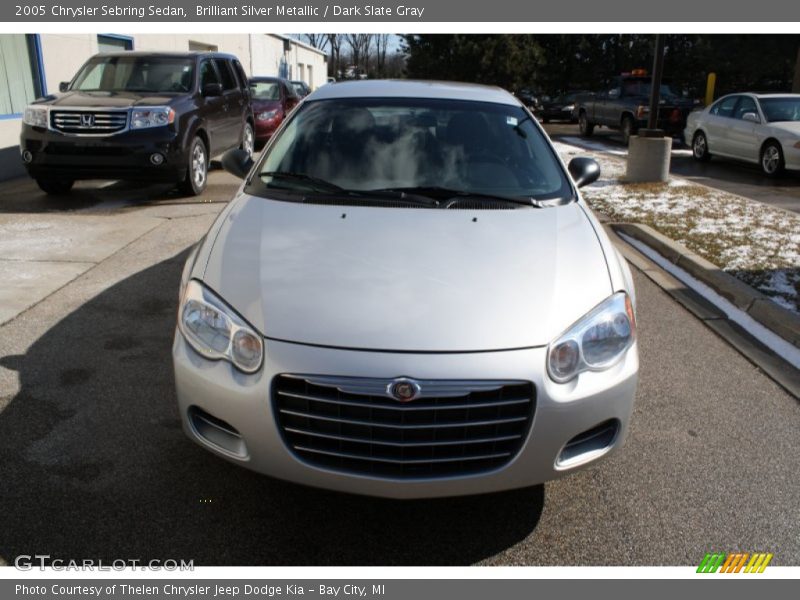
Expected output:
(136, 74)
(781, 109)
(265, 90)
(372, 144)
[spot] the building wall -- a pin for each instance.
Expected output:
(63, 54)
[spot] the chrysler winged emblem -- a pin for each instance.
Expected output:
(404, 389)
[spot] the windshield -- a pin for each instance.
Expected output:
(135, 74)
(642, 87)
(371, 144)
(265, 90)
(781, 109)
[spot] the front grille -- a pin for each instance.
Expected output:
(451, 428)
(88, 122)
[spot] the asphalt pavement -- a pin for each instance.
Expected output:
(735, 177)
(93, 462)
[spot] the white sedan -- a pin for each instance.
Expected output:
(757, 128)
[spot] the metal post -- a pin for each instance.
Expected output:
(655, 86)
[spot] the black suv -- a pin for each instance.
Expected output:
(155, 117)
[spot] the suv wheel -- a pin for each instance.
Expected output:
(55, 187)
(586, 128)
(196, 178)
(248, 139)
(700, 147)
(772, 159)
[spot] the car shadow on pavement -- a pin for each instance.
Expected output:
(22, 195)
(95, 465)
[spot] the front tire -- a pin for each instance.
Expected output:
(700, 147)
(55, 187)
(196, 178)
(772, 163)
(586, 128)
(248, 139)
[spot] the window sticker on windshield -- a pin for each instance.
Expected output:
(512, 121)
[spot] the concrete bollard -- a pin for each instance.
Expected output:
(648, 159)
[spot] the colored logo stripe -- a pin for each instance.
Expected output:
(734, 562)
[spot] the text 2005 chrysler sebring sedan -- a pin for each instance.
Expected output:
(407, 298)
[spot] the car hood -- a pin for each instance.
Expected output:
(787, 127)
(408, 279)
(109, 100)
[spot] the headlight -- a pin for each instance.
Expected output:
(596, 342)
(569, 108)
(154, 116)
(216, 331)
(267, 115)
(35, 116)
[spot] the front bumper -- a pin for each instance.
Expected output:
(791, 158)
(124, 155)
(244, 401)
(558, 114)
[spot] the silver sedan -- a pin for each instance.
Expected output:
(758, 128)
(407, 298)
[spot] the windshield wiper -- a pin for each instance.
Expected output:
(322, 186)
(443, 193)
(319, 184)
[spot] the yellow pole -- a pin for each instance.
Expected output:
(712, 81)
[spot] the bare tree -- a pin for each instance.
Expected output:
(320, 41)
(359, 46)
(381, 45)
(335, 42)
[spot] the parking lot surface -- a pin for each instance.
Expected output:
(730, 176)
(93, 462)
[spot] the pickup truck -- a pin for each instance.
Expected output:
(625, 105)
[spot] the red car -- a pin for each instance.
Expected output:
(272, 98)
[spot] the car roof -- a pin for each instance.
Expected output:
(775, 95)
(188, 54)
(395, 88)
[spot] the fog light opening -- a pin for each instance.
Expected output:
(588, 445)
(217, 433)
(27, 156)
(157, 159)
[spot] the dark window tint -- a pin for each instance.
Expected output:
(778, 109)
(746, 105)
(228, 82)
(208, 74)
(237, 66)
(724, 108)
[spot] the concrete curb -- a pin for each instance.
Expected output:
(780, 321)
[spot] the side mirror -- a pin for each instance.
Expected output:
(212, 89)
(237, 162)
(752, 117)
(583, 170)
(63, 86)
